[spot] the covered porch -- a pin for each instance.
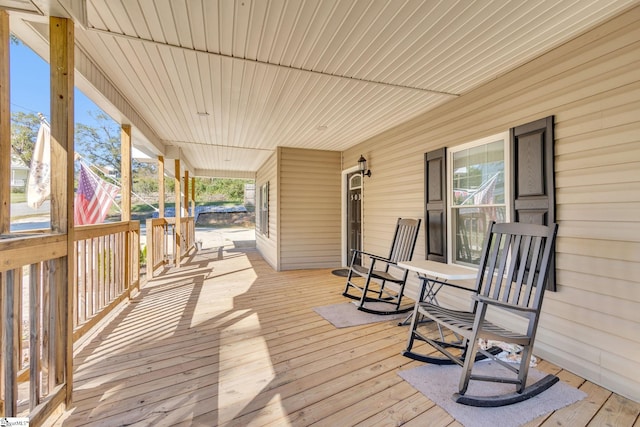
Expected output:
(228, 335)
(226, 340)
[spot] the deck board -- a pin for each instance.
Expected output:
(225, 340)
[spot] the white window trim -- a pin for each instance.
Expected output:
(507, 181)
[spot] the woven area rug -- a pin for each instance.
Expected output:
(346, 314)
(439, 383)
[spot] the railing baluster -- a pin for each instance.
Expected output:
(35, 325)
(9, 343)
(18, 278)
(51, 330)
(102, 272)
(46, 321)
(95, 297)
(110, 273)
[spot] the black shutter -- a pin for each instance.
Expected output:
(435, 197)
(532, 177)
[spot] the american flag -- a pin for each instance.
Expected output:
(93, 198)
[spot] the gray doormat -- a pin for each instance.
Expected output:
(346, 314)
(342, 272)
(438, 383)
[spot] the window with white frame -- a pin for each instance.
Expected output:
(478, 194)
(264, 209)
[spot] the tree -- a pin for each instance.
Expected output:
(100, 144)
(231, 189)
(145, 177)
(24, 132)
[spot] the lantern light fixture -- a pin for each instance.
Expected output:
(362, 165)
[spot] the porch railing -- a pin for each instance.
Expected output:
(33, 281)
(188, 227)
(32, 276)
(107, 270)
(33, 300)
(161, 241)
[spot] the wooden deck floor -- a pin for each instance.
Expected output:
(225, 340)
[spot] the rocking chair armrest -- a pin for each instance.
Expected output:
(491, 301)
(454, 285)
(374, 256)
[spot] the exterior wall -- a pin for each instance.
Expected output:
(304, 209)
(592, 87)
(309, 208)
(268, 245)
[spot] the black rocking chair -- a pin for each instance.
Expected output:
(381, 270)
(511, 280)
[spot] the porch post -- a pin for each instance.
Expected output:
(186, 193)
(125, 171)
(5, 126)
(178, 234)
(8, 296)
(151, 243)
(125, 199)
(61, 45)
(193, 198)
(160, 187)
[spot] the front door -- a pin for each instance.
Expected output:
(354, 215)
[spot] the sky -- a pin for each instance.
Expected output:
(30, 86)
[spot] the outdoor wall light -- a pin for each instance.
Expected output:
(362, 164)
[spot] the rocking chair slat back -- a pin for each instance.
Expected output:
(513, 264)
(379, 271)
(404, 240)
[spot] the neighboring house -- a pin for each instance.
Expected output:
(19, 174)
(591, 86)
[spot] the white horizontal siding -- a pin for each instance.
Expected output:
(592, 87)
(268, 245)
(309, 235)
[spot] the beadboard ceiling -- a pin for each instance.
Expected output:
(228, 81)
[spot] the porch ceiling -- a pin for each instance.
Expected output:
(229, 81)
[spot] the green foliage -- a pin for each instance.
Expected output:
(24, 132)
(144, 169)
(17, 197)
(143, 255)
(143, 208)
(145, 185)
(145, 178)
(229, 189)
